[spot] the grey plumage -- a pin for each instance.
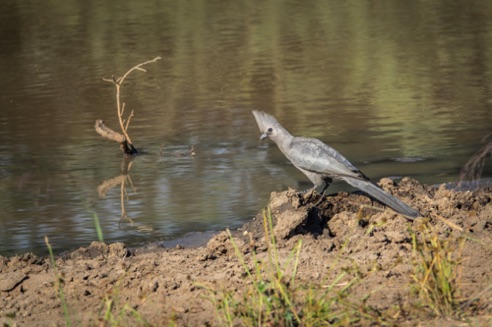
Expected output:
(321, 163)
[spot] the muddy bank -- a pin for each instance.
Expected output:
(344, 233)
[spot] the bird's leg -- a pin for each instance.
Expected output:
(308, 194)
(327, 181)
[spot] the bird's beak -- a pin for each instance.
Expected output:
(263, 136)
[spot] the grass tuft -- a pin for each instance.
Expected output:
(97, 225)
(125, 316)
(437, 275)
(271, 296)
(58, 283)
(115, 313)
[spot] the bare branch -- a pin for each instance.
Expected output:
(124, 140)
(120, 80)
(107, 132)
(120, 107)
(128, 122)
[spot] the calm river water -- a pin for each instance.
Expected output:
(401, 88)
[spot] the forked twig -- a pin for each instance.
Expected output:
(127, 144)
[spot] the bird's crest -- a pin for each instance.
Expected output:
(265, 120)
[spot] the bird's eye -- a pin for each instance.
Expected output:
(269, 130)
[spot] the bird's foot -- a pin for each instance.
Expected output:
(307, 195)
(320, 200)
(310, 195)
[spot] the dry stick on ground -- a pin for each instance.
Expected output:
(126, 144)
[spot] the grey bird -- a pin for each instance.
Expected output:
(321, 163)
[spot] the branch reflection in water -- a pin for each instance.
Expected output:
(124, 180)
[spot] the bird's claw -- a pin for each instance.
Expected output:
(310, 194)
(307, 195)
(321, 200)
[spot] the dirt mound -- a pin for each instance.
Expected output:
(342, 232)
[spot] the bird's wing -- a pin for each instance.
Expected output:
(315, 156)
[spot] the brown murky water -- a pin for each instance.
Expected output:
(401, 89)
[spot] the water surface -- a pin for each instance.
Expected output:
(400, 88)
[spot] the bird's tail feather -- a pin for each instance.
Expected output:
(386, 198)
